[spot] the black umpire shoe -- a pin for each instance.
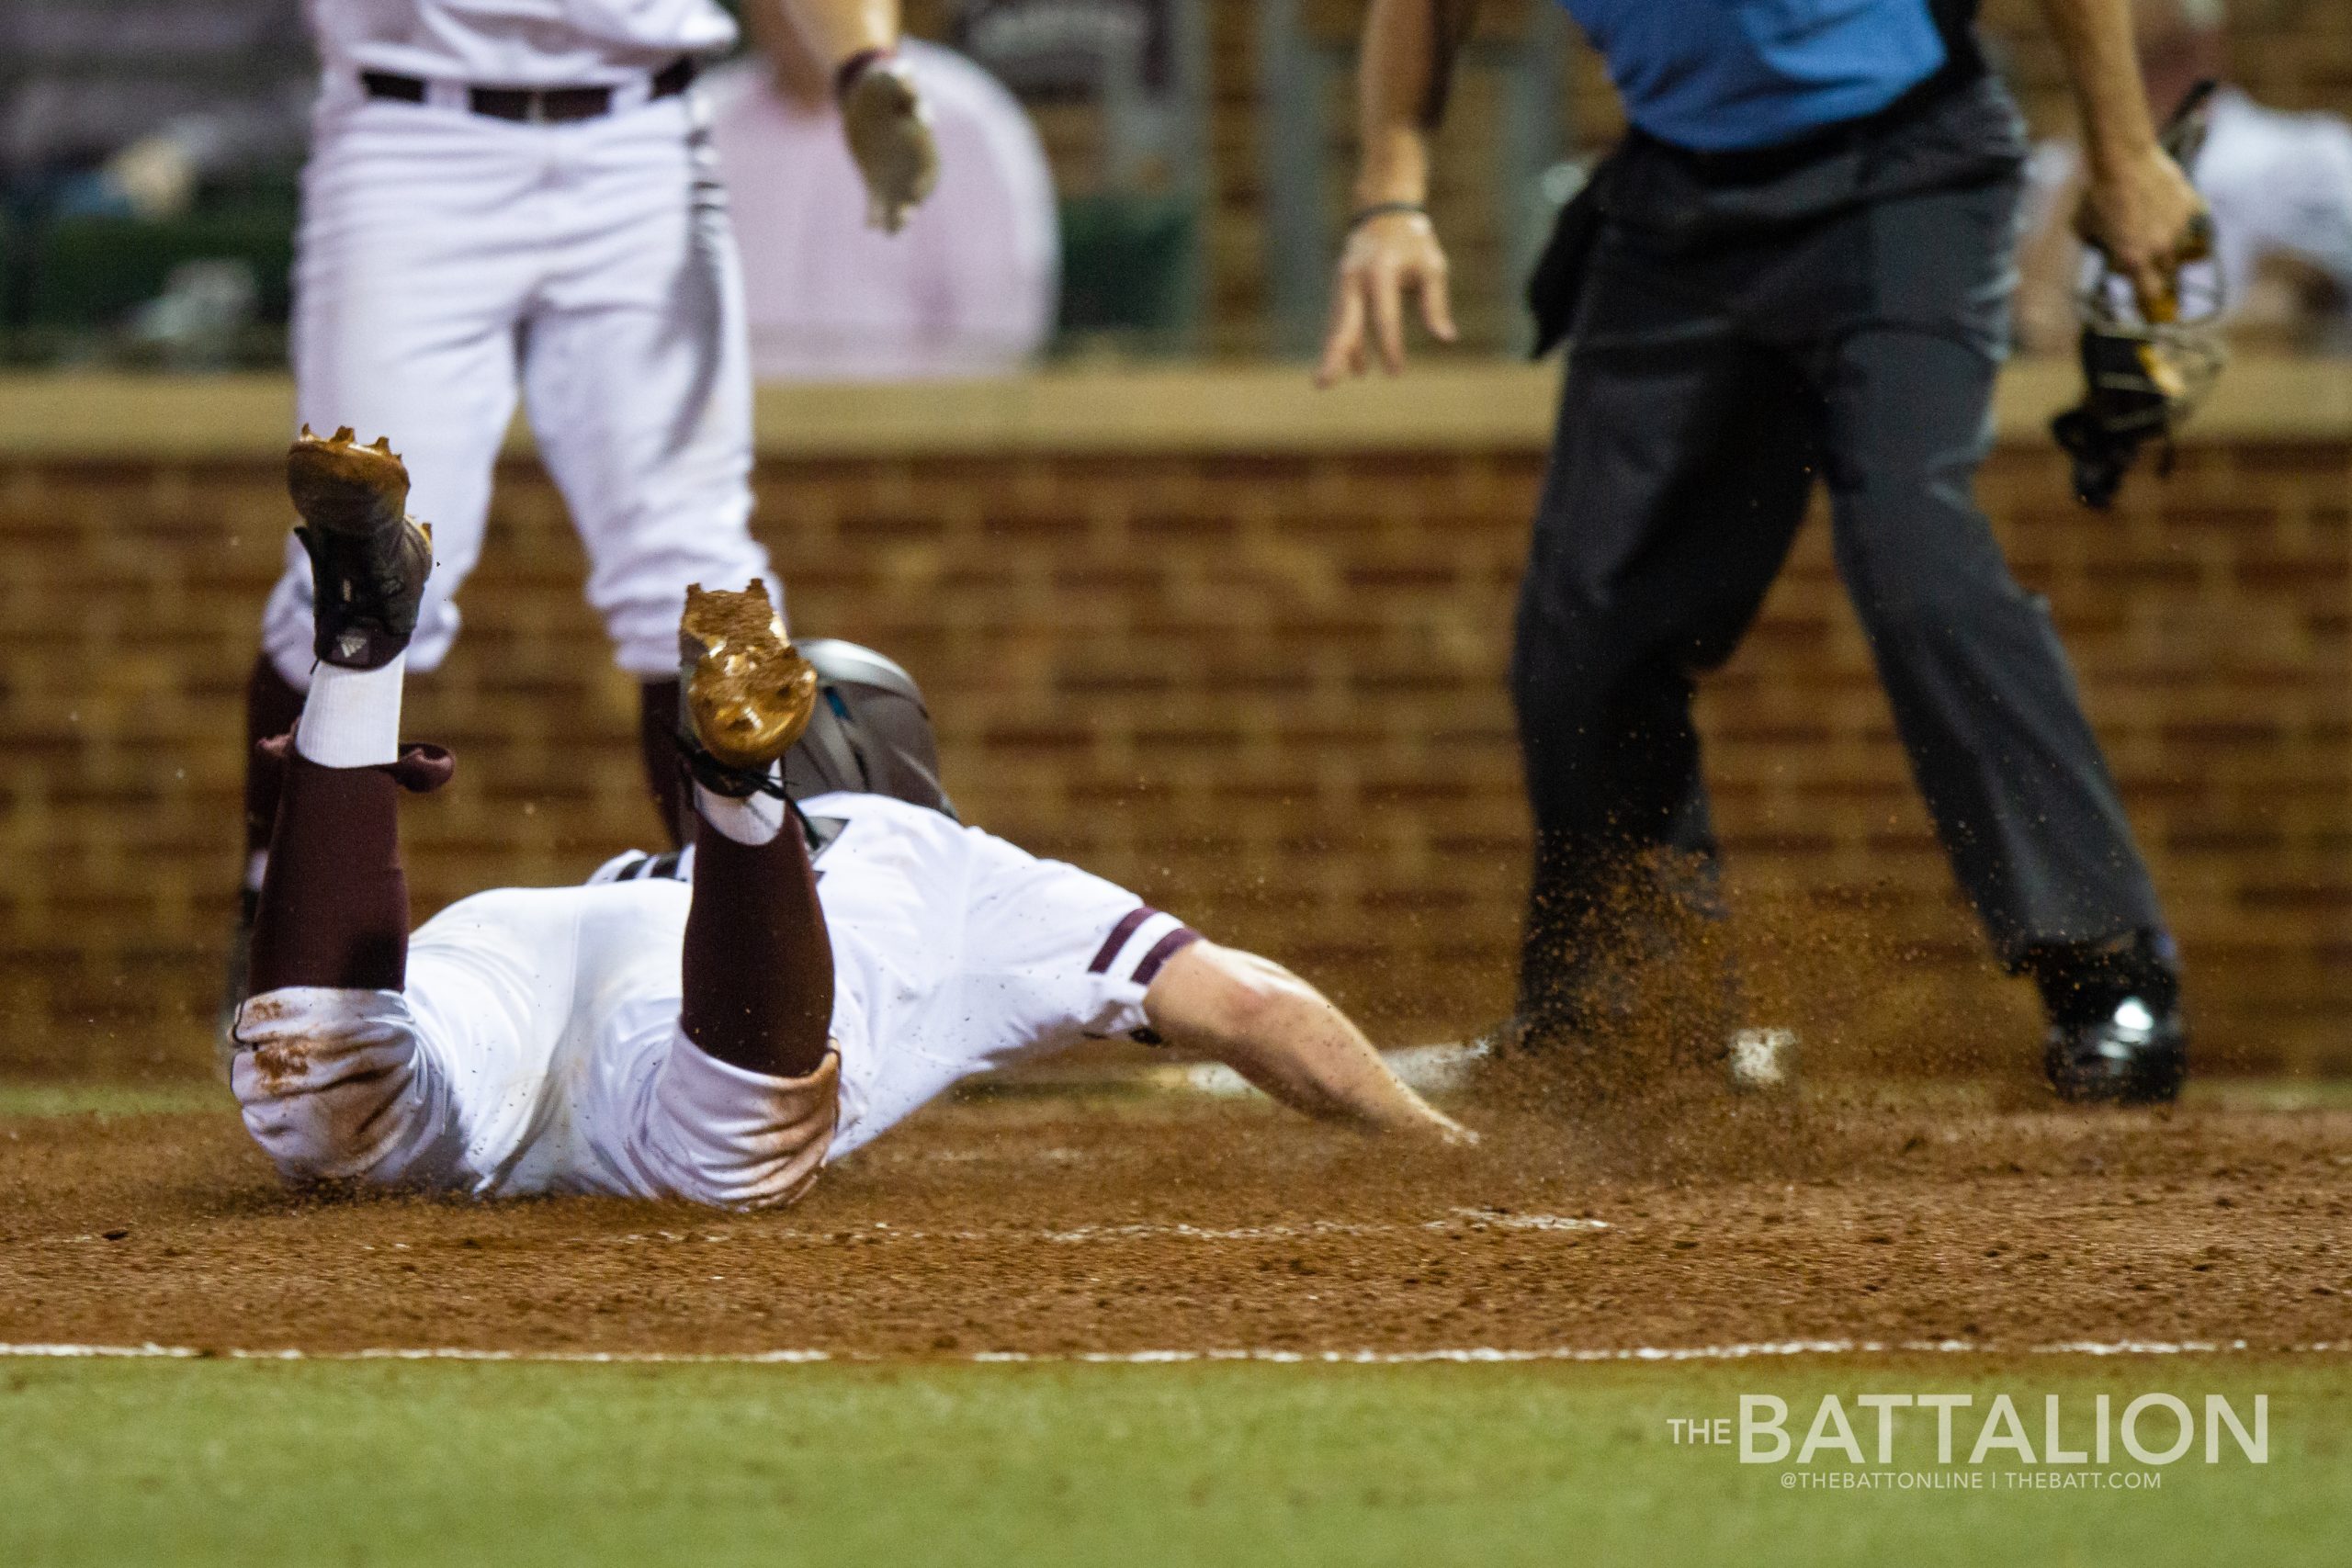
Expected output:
(2137, 1054)
(368, 557)
(2116, 1032)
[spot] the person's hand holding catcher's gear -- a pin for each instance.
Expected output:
(888, 126)
(2148, 219)
(1391, 251)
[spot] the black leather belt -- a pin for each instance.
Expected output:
(532, 106)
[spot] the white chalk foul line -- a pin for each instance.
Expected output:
(1467, 1355)
(883, 1231)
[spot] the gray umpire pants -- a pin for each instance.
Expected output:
(1727, 353)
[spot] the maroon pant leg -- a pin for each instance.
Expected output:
(271, 708)
(334, 904)
(759, 965)
(657, 742)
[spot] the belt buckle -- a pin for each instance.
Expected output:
(535, 107)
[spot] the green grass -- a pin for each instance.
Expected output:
(100, 1098)
(221, 1462)
(2271, 1094)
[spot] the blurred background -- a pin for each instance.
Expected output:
(1198, 152)
(1232, 642)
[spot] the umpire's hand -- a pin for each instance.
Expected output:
(888, 126)
(1387, 256)
(2148, 219)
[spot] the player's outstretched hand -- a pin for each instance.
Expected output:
(888, 128)
(1386, 258)
(1442, 1130)
(1287, 1038)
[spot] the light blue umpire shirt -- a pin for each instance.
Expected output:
(1721, 75)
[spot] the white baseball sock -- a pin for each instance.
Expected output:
(352, 717)
(755, 821)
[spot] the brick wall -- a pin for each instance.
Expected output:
(1265, 691)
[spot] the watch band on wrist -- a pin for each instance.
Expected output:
(1363, 215)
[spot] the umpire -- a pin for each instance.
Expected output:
(1798, 263)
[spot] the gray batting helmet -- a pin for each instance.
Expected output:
(871, 731)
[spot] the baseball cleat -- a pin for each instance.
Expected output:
(748, 694)
(368, 557)
(2137, 1053)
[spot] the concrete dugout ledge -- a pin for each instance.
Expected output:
(1443, 405)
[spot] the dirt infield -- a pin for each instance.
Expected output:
(1061, 1225)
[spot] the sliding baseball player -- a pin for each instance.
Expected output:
(517, 199)
(717, 1039)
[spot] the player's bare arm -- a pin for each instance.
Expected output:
(883, 116)
(1285, 1037)
(2138, 206)
(1392, 250)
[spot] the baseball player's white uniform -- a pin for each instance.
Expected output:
(449, 261)
(536, 1046)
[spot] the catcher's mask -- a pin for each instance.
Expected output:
(2141, 380)
(871, 731)
(2143, 375)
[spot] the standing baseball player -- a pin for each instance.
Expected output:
(719, 1039)
(517, 198)
(1796, 266)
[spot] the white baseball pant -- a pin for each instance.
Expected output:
(448, 260)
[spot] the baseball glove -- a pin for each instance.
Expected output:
(888, 128)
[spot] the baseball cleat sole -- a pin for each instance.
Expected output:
(341, 487)
(749, 694)
(368, 559)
